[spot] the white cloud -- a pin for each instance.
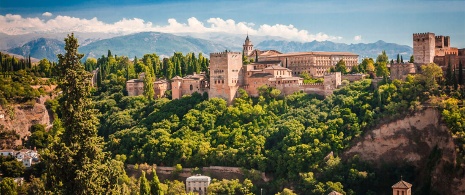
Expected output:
(16, 24)
(47, 14)
(358, 38)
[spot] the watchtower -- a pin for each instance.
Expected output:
(247, 47)
(226, 75)
(402, 188)
(424, 47)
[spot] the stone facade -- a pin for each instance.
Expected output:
(198, 184)
(401, 70)
(226, 75)
(402, 188)
(315, 64)
(428, 48)
(271, 68)
(135, 87)
(189, 85)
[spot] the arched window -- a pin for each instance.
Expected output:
(191, 87)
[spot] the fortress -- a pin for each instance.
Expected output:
(270, 68)
(428, 48)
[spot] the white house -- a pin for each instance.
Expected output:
(198, 183)
(7, 152)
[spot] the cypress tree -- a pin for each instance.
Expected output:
(75, 162)
(460, 80)
(155, 187)
(455, 80)
(144, 186)
(449, 75)
(398, 58)
(401, 59)
(149, 93)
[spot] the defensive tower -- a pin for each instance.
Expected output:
(424, 47)
(226, 75)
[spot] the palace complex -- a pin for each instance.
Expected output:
(270, 68)
(428, 48)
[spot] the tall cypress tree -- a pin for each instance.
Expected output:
(144, 186)
(449, 75)
(149, 93)
(398, 58)
(75, 162)
(460, 81)
(155, 187)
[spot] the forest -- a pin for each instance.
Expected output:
(298, 139)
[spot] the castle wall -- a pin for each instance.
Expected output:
(353, 77)
(401, 70)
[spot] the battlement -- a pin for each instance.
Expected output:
(439, 36)
(224, 54)
(311, 84)
(451, 53)
(422, 34)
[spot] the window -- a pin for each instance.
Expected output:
(191, 87)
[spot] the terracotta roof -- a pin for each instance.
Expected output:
(267, 62)
(402, 185)
(257, 75)
(316, 53)
(134, 81)
(176, 77)
(274, 67)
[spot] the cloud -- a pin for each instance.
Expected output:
(358, 38)
(47, 14)
(16, 24)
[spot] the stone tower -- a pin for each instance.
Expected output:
(226, 75)
(402, 188)
(424, 47)
(176, 87)
(247, 47)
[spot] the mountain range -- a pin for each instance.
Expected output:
(165, 44)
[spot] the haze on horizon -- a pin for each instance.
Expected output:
(304, 21)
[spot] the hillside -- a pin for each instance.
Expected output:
(40, 48)
(149, 42)
(363, 49)
(165, 44)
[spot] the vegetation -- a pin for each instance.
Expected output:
(298, 138)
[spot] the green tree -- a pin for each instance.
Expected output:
(398, 58)
(430, 73)
(149, 93)
(8, 186)
(75, 162)
(286, 192)
(144, 186)
(10, 167)
(460, 79)
(341, 67)
(155, 185)
(411, 59)
(449, 75)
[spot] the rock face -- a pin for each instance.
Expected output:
(412, 141)
(24, 117)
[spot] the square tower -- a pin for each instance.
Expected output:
(226, 75)
(424, 47)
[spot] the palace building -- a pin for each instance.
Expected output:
(228, 74)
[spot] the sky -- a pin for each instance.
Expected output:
(363, 21)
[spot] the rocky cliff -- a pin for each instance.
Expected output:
(421, 141)
(21, 117)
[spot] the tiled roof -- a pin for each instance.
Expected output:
(258, 75)
(134, 81)
(402, 185)
(176, 77)
(274, 67)
(267, 62)
(316, 53)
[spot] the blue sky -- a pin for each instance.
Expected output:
(340, 21)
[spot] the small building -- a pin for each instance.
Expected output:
(402, 188)
(334, 193)
(198, 184)
(7, 152)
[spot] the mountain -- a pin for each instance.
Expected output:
(371, 50)
(40, 48)
(150, 42)
(164, 44)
